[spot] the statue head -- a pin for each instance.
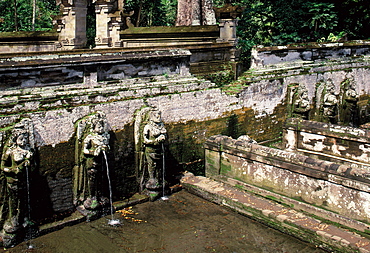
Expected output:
(330, 88)
(22, 140)
(98, 123)
(98, 126)
(302, 91)
(155, 116)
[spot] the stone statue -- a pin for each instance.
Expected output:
(16, 164)
(150, 135)
(91, 144)
(329, 104)
(301, 103)
(348, 106)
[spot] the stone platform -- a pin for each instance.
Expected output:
(272, 211)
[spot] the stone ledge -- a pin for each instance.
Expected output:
(56, 97)
(273, 214)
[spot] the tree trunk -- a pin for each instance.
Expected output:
(33, 14)
(15, 16)
(184, 12)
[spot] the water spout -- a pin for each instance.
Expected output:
(28, 222)
(112, 221)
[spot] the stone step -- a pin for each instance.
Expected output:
(327, 235)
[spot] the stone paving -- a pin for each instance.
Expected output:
(322, 234)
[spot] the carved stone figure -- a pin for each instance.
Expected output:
(16, 163)
(300, 102)
(91, 144)
(330, 104)
(150, 135)
(247, 139)
(348, 107)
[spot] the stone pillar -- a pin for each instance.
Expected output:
(114, 27)
(228, 20)
(108, 23)
(196, 14)
(72, 24)
(228, 30)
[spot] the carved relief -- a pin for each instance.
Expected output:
(348, 114)
(300, 102)
(150, 135)
(16, 164)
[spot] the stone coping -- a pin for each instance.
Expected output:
(86, 57)
(314, 45)
(28, 36)
(113, 50)
(167, 30)
(345, 132)
(323, 234)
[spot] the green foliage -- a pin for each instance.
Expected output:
(322, 18)
(332, 37)
(16, 15)
(221, 78)
(152, 13)
(91, 25)
(281, 22)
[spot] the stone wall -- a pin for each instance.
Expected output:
(348, 144)
(281, 80)
(335, 187)
(118, 82)
(55, 109)
(36, 70)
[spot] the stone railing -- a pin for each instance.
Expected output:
(335, 187)
(347, 144)
(295, 54)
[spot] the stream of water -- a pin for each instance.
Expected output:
(112, 221)
(164, 197)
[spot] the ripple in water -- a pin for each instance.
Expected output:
(113, 222)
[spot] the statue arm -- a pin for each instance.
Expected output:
(87, 146)
(7, 164)
(4, 158)
(146, 136)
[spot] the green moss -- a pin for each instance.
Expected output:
(225, 169)
(240, 187)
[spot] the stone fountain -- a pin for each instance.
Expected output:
(92, 141)
(16, 164)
